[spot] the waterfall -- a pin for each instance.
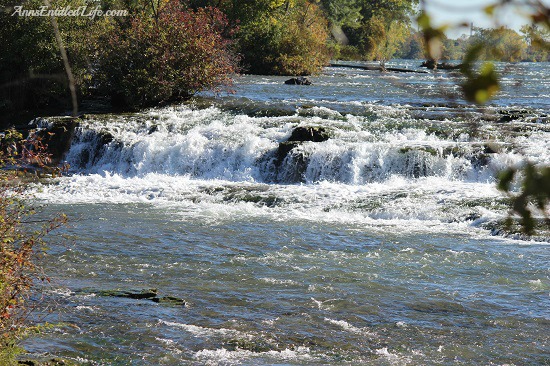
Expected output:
(215, 144)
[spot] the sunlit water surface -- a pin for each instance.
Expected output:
(377, 246)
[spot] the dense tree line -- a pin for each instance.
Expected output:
(165, 50)
(500, 44)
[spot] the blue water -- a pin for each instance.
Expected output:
(377, 246)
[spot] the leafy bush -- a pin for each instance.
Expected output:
(168, 56)
(20, 241)
(287, 41)
(302, 49)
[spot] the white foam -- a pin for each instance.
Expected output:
(423, 205)
(350, 328)
(392, 358)
(539, 284)
(222, 356)
(65, 292)
(170, 344)
(215, 166)
(211, 144)
(276, 281)
(90, 309)
(199, 331)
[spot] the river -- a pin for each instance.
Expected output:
(378, 246)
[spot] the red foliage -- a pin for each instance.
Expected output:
(169, 56)
(21, 238)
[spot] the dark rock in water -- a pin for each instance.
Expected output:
(514, 229)
(148, 294)
(285, 147)
(145, 294)
(98, 142)
(473, 216)
(512, 115)
(490, 149)
(299, 135)
(505, 119)
(480, 159)
(314, 134)
(294, 169)
(44, 361)
(432, 65)
(105, 138)
(298, 160)
(58, 137)
(248, 345)
(169, 300)
(298, 81)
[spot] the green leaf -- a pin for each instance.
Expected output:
(490, 10)
(480, 87)
(505, 179)
(424, 20)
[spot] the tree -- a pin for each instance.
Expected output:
(538, 40)
(169, 53)
(383, 39)
(382, 28)
(163, 57)
(500, 44)
(413, 47)
(453, 49)
(32, 72)
(291, 39)
(343, 12)
(303, 44)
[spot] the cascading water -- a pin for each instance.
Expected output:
(380, 244)
(213, 144)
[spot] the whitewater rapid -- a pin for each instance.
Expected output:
(381, 245)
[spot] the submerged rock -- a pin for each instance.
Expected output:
(148, 294)
(169, 300)
(514, 230)
(298, 81)
(256, 346)
(105, 138)
(145, 294)
(37, 360)
(285, 148)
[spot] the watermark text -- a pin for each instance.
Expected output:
(81, 11)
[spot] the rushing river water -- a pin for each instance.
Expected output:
(380, 245)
